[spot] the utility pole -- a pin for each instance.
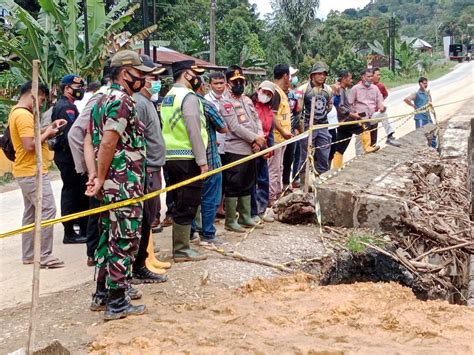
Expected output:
(86, 28)
(212, 49)
(391, 34)
(146, 41)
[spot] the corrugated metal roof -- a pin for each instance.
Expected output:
(167, 56)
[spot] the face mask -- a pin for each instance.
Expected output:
(155, 87)
(78, 94)
(136, 84)
(294, 80)
(367, 83)
(263, 98)
(194, 81)
(238, 89)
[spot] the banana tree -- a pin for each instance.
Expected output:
(56, 37)
(406, 58)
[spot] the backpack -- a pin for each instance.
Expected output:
(7, 145)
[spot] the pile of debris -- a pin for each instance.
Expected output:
(439, 240)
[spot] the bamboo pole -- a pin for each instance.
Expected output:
(310, 145)
(38, 210)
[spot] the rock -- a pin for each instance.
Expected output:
(295, 208)
(433, 179)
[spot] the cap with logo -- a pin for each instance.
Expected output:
(71, 79)
(234, 72)
(267, 85)
(319, 67)
(157, 68)
(183, 65)
(128, 58)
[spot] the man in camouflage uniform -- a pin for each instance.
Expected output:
(119, 144)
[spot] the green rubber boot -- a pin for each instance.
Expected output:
(181, 249)
(230, 211)
(245, 217)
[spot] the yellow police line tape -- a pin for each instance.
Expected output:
(153, 194)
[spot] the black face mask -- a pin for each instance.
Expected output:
(78, 94)
(132, 84)
(195, 81)
(238, 89)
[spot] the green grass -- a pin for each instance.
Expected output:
(413, 79)
(355, 243)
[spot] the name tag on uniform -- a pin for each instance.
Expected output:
(242, 118)
(168, 100)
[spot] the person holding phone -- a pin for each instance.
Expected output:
(21, 124)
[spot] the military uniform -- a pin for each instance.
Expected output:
(321, 137)
(72, 193)
(121, 227)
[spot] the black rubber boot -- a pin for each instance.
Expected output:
(143, 275)
(99, 297)
(118, 306)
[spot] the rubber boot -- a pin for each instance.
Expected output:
(152, 258)
(365, 139)
(337, 160)
(245, 217)
(118, 306)
(230, 212)
(99, 298)
(181, 249)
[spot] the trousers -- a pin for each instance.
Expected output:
(260, 191)
(322, 140)
(118, 244)
(275, 172)
(48, 211)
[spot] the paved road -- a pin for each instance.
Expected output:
(15, 278)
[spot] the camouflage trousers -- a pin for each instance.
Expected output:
(120, 231)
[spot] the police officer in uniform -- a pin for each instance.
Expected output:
(185, 134)
(245, 137)
(74, 184)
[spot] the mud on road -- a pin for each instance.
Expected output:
(290, 315)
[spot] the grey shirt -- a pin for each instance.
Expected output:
(78, 131)
(155, 144)
(192, 120)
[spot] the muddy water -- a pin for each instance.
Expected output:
(292, 316)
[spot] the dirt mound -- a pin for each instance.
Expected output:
(301, 318)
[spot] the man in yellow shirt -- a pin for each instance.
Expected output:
(21, 123)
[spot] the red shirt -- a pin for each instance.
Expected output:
(265, 114)
(383, 89)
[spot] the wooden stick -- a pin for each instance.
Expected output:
(310, 145)
(38, 212)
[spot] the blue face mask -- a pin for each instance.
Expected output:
(294, 80)
(155, 87)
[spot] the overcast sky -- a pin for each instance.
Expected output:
(326, 6)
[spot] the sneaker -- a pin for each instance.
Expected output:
(209, 241)
(74, 239)
(267, 218)
(168, 221)
(392, 141)
(146, 276)
(133, 293)
(194, 238)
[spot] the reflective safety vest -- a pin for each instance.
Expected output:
(283, 115)
(178, 145)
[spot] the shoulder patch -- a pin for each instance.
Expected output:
(227, 107)
(168, 100)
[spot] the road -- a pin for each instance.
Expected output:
(15, 278)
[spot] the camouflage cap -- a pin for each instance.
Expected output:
(319, 67)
